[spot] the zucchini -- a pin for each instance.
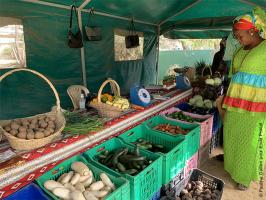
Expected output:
(130, 171)
(117, 154)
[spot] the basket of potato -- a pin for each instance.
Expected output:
(36, 131)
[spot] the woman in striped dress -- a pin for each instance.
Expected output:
(244, 106)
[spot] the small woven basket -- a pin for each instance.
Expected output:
(25, 144)
(104, 109)
(206, 76)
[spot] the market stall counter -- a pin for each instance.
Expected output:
(25, 167)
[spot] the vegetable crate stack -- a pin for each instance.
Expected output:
(141, 168)
(76, 179)
(169, 147)
(191, 132)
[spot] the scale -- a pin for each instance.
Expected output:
(140, 96)
(182, 82)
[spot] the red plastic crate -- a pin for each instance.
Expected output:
(191, 163)
(205, 126)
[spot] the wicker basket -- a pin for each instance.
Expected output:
(24, 144)
(104, 109)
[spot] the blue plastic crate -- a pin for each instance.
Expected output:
(157, 195)
(30, 192)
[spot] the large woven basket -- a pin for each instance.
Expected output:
(104, 109)
(25, 144)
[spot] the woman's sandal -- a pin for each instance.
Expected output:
(241, 187)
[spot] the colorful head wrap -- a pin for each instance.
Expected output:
(245, 23)
(255, 20)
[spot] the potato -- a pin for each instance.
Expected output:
(39, 135)
(13, 132)
(41, 117)
(51, 127)
(51, 124)
(43, 125)
(22, 129)
(17, 121)
(7, 128)
(51, 130)
(29, 130)
(46, 133)
(46, 119)
(40, 122)
(41, 129)
(32, 126)
(30, 136)
(34, 121)
(25, 122)
(52, 118)
(14, 126)
(22, 135)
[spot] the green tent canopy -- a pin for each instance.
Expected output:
(45, 25)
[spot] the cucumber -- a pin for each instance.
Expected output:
(121, 167)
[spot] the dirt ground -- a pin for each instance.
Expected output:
(215, 168)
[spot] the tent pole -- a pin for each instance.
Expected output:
(118, 17)
(47, 4)
(84, 4)
(180, 12)
(82, 54)
(82, 51)
(157, 54)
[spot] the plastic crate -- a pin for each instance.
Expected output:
(173, 160)
(192, 138)
(217, 122)
(207, 179)
(204, 153)
(144, 184)
(122, 186)
(205, 126)
(191, 164)
(29, 192)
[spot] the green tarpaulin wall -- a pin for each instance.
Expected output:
(45, 31)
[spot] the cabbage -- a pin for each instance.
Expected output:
(217, 81)
(199, 103)
(198, 97)
(192, 101)
(209, 81)
(208, 103)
